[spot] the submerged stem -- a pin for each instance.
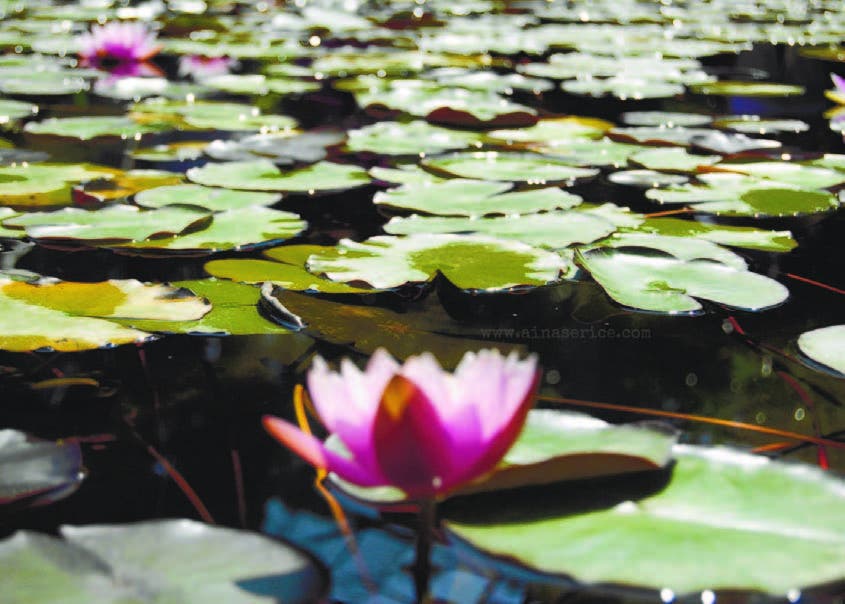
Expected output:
(425, 536)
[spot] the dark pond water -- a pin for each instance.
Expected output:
(198, 400)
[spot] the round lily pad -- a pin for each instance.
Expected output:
(88, 127)
(214, 199)
(753, 89)
(825, 346)
(263, 175)
(411, 138)
(516, 167)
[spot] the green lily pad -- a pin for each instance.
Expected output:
(516, 167)
(35, 471)
(469, 262)
(753, 124)
(554, 230)
(44, 83)
(207, 197)
(285, 267)
(263, 175)
(113, 223)
(728, 143)
(236, 229)
(257, 84)
(460, 197)
(282, 148)
(646, 178)
(11, 111)
(623, 87)
(669, 285)
(88, 127)
(405, 174)
(799, 175)
(411, 138)
(156, 561)
(749, 513)
(589, 153)
(665, 119)
(554, 446)
(735, 236)
(753, 89)
(672, 159)
(45, 184)
(683, 248)
(137, 88)
(825, 346)
(211, 115)
(183, 151)
(554, 130)
(234, 311)
(67, 316)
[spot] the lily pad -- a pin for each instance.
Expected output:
(155, 561)
(825, 346)
(469, 262)
(672, 159)
(285, 266)
(751, 514)
(666, 119)
(553, 230)
(623, 87)
(35, 471)
(669, 285)
(45, 184)
(11, 111)
(183, 151)
(88, 127)
(731, 142)
(207, 197)
(555, 130)
(554, 446)
(236, 229)
(114, 223)
(263, 175)
(683, 248)
(752, 89)
(646, 178)
(460, 197)
(735, 236)
(752, 124)
(67, 316)
(209, 115)
(516, 167)
(411, 138)
(282, 148)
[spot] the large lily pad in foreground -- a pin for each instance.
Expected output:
(157, 562)
(725, 520)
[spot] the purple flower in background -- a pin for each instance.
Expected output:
(123, 42)
(839, 82)
(416, 426)
(199, 67)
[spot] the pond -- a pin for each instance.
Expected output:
(200, 198)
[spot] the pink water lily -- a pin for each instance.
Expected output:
(123, 42)
(416, 426)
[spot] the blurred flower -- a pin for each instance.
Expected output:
(416, 426)
(199, 67)
(837, 95)
(123, 42)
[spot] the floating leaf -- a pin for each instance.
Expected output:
(282, 148)
(156, 561)
(554, 230)
(623, 87)
(666, 119)
(114, 223)
(756, 517)
(555, 131)
(669, 285)
(263, 175)
(825, 346)
(753, 124)
(209, 115)
(554, 446)
(235, 229)
(36, 472)
(672, 159)
(207, 197)
(753, 89)
(469, 262)
(799, 175)
(11, 111)
(411, 138)
(683, 248)
(646, 178)
(460, 197)
(39, 185)
(257, 84)
(729, 142)
(94, 126)
(736, 236)
(285, 267)
(516, 167)
(183, 151)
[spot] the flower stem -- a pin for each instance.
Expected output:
(425, 535)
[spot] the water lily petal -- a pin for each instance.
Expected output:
(412, 446)
(312, 450)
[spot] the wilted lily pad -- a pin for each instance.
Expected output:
(156, 561)
(516, 167)
(36, 472)
(263, 175)
(461, 197)
(470, 262)
(69, 316)
(670, 285)
(825, 346)
(751, 514)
